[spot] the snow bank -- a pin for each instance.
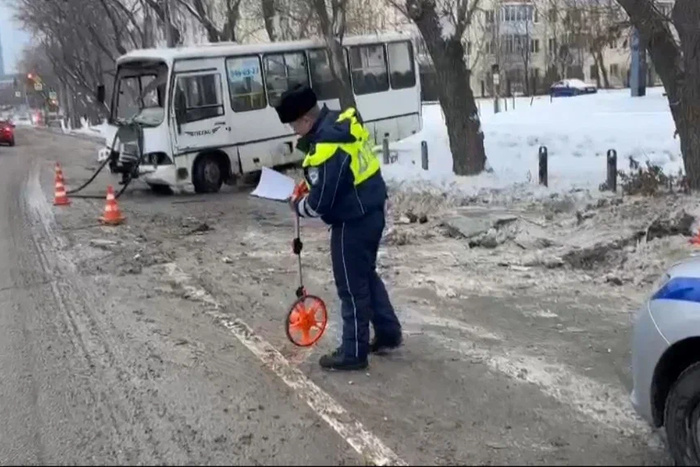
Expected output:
(87, 129)
(577, 131)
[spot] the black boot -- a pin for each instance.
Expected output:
(381, 344)
(336, 360)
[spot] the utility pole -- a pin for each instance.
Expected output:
(168, 31)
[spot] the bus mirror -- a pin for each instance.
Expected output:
(101, 93)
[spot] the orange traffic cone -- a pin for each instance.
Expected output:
(59, 172)
(112, 215)
(695, 239)
(60, 196)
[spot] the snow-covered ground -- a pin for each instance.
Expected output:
(577, 131)
(85, 128)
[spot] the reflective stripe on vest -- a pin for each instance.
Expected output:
(363, 162)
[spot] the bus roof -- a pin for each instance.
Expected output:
(224, 49)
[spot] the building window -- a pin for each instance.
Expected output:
(509, 44)
(489, 16)
(469, 48)
(614, 70)
(201, 96)
(284, 71)
(368, 69)
(519, 13)
(552, 46)
(553, 13)
(245, 83)
(534, 46)
(401, 65)
(594, 72)
(322, 80)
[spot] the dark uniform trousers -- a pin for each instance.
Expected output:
(364, 299)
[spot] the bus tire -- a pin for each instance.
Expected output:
(208, 174)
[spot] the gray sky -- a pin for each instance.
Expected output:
(12, 37)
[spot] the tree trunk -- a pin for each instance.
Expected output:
(454, 90)
(678, 67)
(333, 35)
(269, 14)
(597, 69)
(603, 71)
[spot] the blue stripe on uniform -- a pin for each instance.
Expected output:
(686, 289)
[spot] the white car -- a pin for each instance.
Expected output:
(666, 360)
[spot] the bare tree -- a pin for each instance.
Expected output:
(442, 24)
(606, 25)
(676, 60)
(596, 24)
(206, 13)
(287, 19)
(332, 23)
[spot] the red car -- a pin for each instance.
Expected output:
(7, 133)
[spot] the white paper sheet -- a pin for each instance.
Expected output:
(274, 185)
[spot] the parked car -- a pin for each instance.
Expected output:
(666, 360)
(22, 119)
(572, 87)
(7, 133)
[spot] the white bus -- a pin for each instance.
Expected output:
(207, 113)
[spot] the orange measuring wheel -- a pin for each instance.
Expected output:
(307, 321)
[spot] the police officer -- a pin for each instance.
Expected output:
(347, 191)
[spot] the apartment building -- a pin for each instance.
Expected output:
(537, 42)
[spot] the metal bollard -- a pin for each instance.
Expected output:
(424, 154)
(543, 166)
(612, 170)
(385, 148)
(513, 102)
(505, 101)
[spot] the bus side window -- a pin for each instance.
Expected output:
(368, 69)
(245, 83)
(284, 71)
(203, 97)
(401, 65)
(322, 80)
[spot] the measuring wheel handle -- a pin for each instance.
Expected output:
(306, 321)
(297, 246)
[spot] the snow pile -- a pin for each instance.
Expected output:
(87, 129)
(577, 132)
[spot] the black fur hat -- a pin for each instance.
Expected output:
(295, 103)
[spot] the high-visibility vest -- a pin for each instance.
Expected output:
(363, 162)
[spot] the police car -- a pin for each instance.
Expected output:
(666, 360)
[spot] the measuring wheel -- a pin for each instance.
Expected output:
(306, 321)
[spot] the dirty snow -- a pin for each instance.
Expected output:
(577, 133)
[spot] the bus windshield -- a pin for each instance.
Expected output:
(141, 95)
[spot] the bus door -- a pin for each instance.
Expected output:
(198, 116)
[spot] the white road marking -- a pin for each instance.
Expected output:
(371, 448)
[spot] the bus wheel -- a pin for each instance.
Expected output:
(207, 176)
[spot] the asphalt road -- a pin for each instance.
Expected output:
(78, 388)
(147, 344)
